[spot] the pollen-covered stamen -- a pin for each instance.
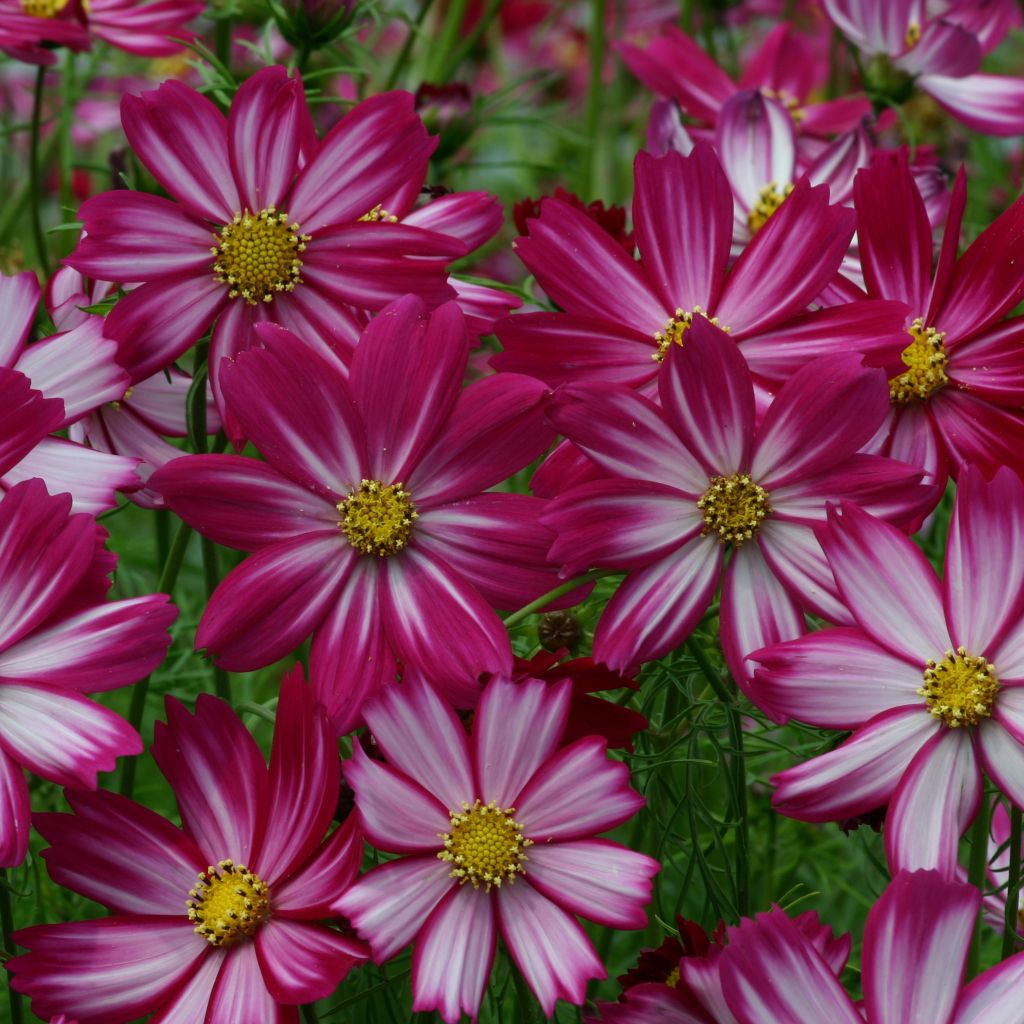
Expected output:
(912, 36)
(925, 359)
(788, 100)
(228, 903)
(257, 255)
(677, 327)
(485, 845)
(960, 689)
(44, 8)
(673, 978)
(377, 518)
(734, 507)
(769, 199)
(378, 214)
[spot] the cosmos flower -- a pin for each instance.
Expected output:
(215, 921)
(498, 831)
(930, 679)
(371, 521)
(59, 640)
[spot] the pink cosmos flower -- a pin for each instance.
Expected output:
(265, 222)
(78, 367)
(25, 25)
(939, 46)
(215, 921)
(915, 953)
(511, 813)
(59, 640)
(930, 679)
(682, 481)
(371, 521)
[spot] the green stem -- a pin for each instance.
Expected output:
(595, 98)
(221, 680)
(577, 581)
(67, 150)
(403, 55)
(451, 29)
(309, 1013)
(36, 174)
(222, 41)
(7, 927)
(165, 585)
(1010, 934)
(464, 48)
(976, 876)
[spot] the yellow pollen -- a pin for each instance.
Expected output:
(257, 255)
(377, 518)
(45, 8)
(769, 199)
(485, 845)
(228, 903)
(960, 689)
(677, 327)
(378, 213)
(925, 359)
(912, 36)
(734, 507)
(673, 978)
(789, 101)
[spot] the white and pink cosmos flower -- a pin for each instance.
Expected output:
(497, 836)
(60, 639)
(930, 678)
(915, 955)
(217, 921)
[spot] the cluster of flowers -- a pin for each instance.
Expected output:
(762, 391)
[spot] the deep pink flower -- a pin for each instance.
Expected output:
(512, 813)
(930, 679)
(59, 640)
(915, 953)
(215, 921)
(23, 31)
(682, 481)
(322, 213)
(371, 522)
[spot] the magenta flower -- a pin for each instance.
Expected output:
(509, 812)
(25, 26)
(371, 525)
(215, 921)
(59, 640)
(681, 482)
(265, 221)
(930, 679)
(915, 954)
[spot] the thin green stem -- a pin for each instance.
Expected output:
(595, 98)
(577, 581)
(222, 40)
(459, 54)
(211, 576)
(1012, 921)
(36, 172)
(976, 876)
(447, 41)
(309, 1013)
(7, 927)
(403, 54)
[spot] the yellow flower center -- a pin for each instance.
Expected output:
(377, 518)
(960, 689)
(46, 8)
(734, 507)
(228, 903)
(913, 35)
(925, 359)
(257, 255)
(673, 978)
(485, 845)
(789, 101)
(769, 199)
(378, 213)
(676, 328)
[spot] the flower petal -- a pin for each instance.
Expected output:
(240, 993)
(15, 811)
(19, 297)
(302, 962)
(310, 892)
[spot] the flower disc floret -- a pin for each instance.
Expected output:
(485, 845)
(960, 689)
(677, 326)
(734, 507)
(257, 255)
(379, 215)
(44, 8)
(925, 359)
(769, 199)
(228, 903)
(377, 518)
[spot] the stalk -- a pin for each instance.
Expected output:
(36, 185)
(976, 876)
(595, 97)
(7, 927)
(1012, 885)
(577, 581)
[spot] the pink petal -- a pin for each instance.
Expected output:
(453, 956)
(218, 776)
(19, 297)
(990, 363)
(389, 905)
(396, 814)
(834, 679)
(15, 822)
(594, 878)
(974, 430)
(240, 993)
(576, 793)
(943, 49)
(1002, 754)
(993, 997)
(240, 502)
(472, 217)
(234, 333)
(934, 802)
(181, 137)
(548, 946)
(859, 775)
(120, 854)
(25, 417)
(188, 1005)
(987, 103)
(302, 962)
(311, 891)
